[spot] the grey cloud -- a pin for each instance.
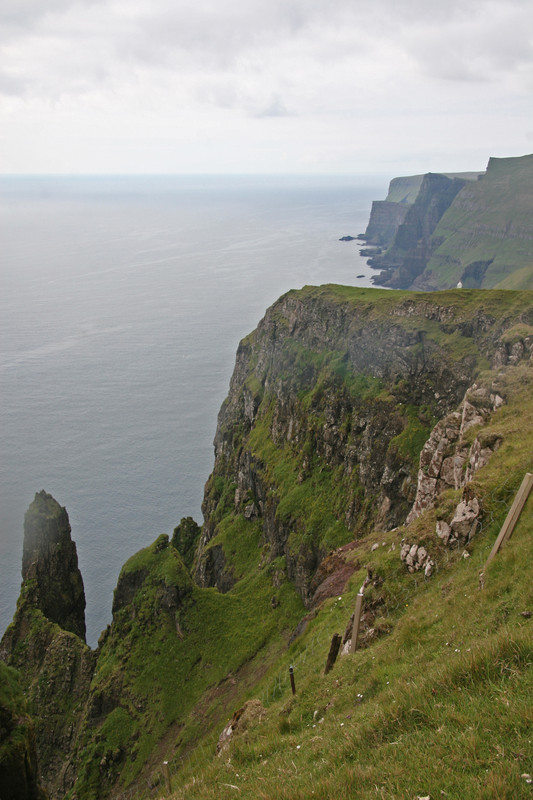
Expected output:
(236, 36)
(275, 109)
(18, 16)
(12, 86)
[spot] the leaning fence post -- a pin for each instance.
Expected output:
(333, 652)
(291, 673)
(512, 517)
(357, 619)
(166, 773)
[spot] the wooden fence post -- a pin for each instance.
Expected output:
(333, 652)
(291, 675)
(356, 620)
(512, 517)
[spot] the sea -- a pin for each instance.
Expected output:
(122, 303)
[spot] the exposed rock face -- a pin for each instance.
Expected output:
(50, 572)
(416, 557)
(446, 460)
(463, 524)
(385, 219)
(56, 669)
(409, 253)
(387, 215)
(290, 405)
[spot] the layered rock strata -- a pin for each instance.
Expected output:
(291, 390)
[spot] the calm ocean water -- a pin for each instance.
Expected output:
(122, 303)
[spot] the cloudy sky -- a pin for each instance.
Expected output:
(253, 86)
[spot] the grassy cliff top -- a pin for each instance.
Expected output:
(383, 303)
(405, 189)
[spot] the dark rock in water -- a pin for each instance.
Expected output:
(347, 239)
(360, 276)
(50, 570)
(370, 252)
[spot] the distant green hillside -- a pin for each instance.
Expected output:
(436, 230)
(485, 238)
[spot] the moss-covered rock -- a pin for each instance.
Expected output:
(51, 578)
(19, 772)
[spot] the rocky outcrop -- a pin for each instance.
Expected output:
(451, 457)
(447, 461)
(416, 557)
(52, 581)
(46, 640)
(463, 524)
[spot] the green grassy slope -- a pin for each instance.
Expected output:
(488, 224)
(439, 703)
(170, 643)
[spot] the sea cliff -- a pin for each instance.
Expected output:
(439, 230)
(350, 411)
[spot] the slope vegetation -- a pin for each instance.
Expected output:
(348, 411)
(485, 239)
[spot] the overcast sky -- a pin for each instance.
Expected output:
(252, 86)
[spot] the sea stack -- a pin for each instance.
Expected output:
(50, 572)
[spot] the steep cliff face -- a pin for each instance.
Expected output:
(330, 403)
(46, 640)
(385, 219)
(411, 247)
(387, 215)
(450, 228)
